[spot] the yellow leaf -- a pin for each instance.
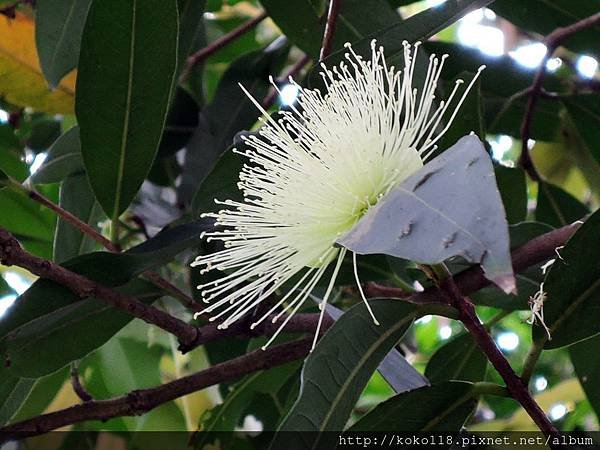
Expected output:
(21, 79)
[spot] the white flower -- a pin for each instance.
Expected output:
(314, 173)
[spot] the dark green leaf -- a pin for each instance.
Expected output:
(586, 361)
(229, 112)
(459, 359)
(542, 17)
(573, 288)
(43, 134)
(13, 392)
(302, 24)
(76, 197)
(451, 207)
(557, 207)
(58, 28)
(336, 372)
(226, 416)
(513, 190)
(27, 218)
(416, 28)
(442, 407)
(584, 111)
(45, 343)
(64, 159)
(126, 70)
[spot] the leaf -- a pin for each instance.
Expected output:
(43, 391)
(458, 359)
(58, 36)
(126, 71)
(557, 207)
(586, 361)
(442, 407)
(13, 392)
(336, 372)
(44, 344)
(450, 207)
(76, 197)
(394, 368)
(302, 23)
(419, 27)
(43, 134)
(22, 82)
(229, 112)
(543, 16)
(573, 288)
(513, 190)
(584, 111)
(64, 159)
(27, 218)
(502, 78)
(226, 416)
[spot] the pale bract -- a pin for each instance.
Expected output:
(312, 174)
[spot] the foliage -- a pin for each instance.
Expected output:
(118, 120)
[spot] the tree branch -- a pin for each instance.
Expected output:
(332, 16)
(196, 58)
(552, 41)
(141, 401)
(11, 253)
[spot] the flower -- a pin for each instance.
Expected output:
(314, 173)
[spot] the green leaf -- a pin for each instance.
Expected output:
(573, 288)
(64, 159)
(76, 197)
(586, 361)
(442, 407)
(126, 70)
(229, 112)
(336, 372)
(459, 359)
(502, 78)
(557, 207)
(58, 28)
(226, 416)
(584, 111)
(419, 27)
(41, 345)
(41, 394)
(27, 218)
(302, 24)
(450, 207)
(43, 134)
(513, 190)
(13, 392)
(543, 17)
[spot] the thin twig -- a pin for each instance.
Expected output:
(332, 16)
(141, 401)
(516, 386)
(78, 388)
(196, 58)
(552, 41)
(11, 253)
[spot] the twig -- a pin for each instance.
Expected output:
(294, 70)
(90, 231)
(141, 401)
(531, 359)
(552, 41)
(516, 386)
(11, 253)
(196, 58)
(332, 16)
(78, 387)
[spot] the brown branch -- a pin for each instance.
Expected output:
(78, 388)
(196, 58)
(332, 16)
(294, 70)
(90, 231)
(552, 41)
(141, 401)
(516, 386)
(11, 253)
